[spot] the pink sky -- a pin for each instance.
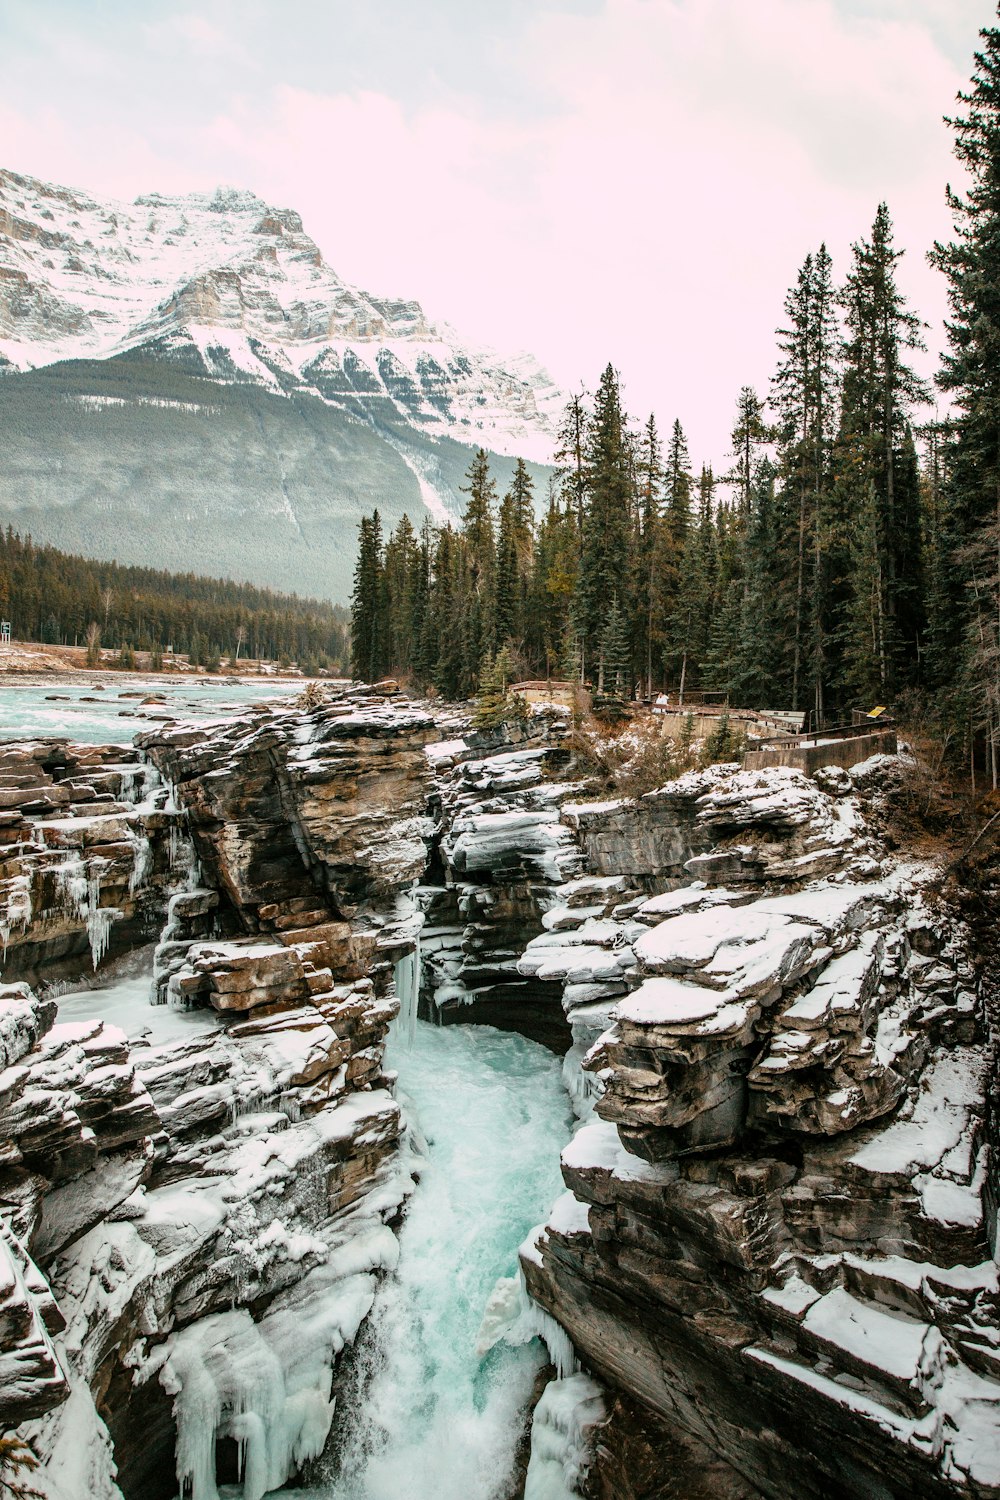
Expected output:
(633, 180)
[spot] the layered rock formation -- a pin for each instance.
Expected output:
(778, 1228)
(88, 853)
(501, 855)
(775, 1249)
(195, 1227)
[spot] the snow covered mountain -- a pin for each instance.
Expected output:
(187, 382)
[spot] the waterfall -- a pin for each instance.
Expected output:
(408, 973)
(425, 1414)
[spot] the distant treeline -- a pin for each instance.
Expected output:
(59, 599)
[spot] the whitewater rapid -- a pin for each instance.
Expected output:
(423, 1416)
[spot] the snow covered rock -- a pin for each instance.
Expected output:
(208, 328)
(89, 853)
(207, 1217)
(783, 1207)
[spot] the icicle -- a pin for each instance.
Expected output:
(142, 861)
(72, 886)
(512, 1315)
(19, 902)
(408, 971)
(408, 976)
(584, 1089)
(99, 923)
(562, 1433)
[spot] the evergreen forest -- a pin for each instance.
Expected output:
(848, 554)
(54, 597)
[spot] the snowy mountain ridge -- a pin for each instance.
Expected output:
(186, 380)
(240, 285)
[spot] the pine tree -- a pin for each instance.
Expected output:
(607, 528)
(882, 614)
(615, 654)
(507, 614)
(479, 551)
(971, 373)
(514, 557)
(936, 531)
(675, 537)
(805, 391)
(571, 461)
(420, 593)
(652, 551)
(749, 435)
(734, 647)
(368, 603)
(690, 617)
(758, 675)
(553, 585)
(678, 482)
(522, 497)
(723, 666)
(495, 703)
(398, 587)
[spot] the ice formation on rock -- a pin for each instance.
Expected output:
(774, 1246)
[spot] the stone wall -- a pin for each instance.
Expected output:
(811, 754)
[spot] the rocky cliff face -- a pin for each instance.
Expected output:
(88, 853)
(775, 1249)
(281, 403)
(778, 1231)
(194, 1226)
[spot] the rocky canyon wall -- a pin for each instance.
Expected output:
(778, 1231)
(775, 1251)
(194, 1223)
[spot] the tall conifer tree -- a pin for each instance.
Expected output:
(607, 527)
(883, 615)
(971, 373)
(367, 603)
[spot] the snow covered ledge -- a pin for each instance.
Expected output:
(220, 1246)
(777, 1234)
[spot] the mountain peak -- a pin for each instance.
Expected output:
(82, 278)
(185, 377)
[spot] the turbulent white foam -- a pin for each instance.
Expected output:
(432, 1418)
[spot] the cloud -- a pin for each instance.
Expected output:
(643, 189)
(194, 34)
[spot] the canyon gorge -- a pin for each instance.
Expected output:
(304, 1220)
